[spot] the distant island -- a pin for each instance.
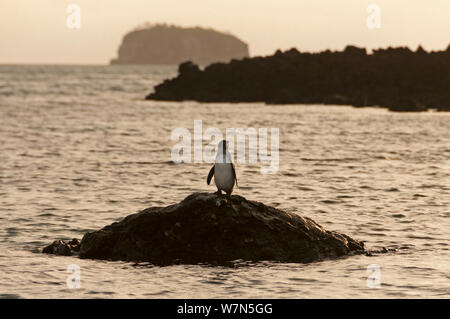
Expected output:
(396, 78)
(166, 44)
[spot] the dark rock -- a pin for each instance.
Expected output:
(164, 44)
(382, 250)
(420, 50)
(75, 244)
(188, 68)
(408, 108)
(395, 78)
(350, 49)
(208, 228)
(443, 108)
(60, 247)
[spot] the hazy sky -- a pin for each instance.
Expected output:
(35, 31)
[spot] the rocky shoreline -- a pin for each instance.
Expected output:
(396, 78)
(212, 229)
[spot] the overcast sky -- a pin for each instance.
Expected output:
(35, 31)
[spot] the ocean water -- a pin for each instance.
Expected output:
(80, 148)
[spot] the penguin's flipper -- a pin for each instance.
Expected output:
(234, 174)
(210, 175)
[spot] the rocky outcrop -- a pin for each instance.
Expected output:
(209, 228)
(60, 247)
(162, 44)
(396, 78)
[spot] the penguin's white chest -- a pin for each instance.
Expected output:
(223, 176)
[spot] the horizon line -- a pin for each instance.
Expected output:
(107, 63)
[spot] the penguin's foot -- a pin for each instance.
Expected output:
(219, 192)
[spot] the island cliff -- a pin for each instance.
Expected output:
(162, 44)
(396, 78)
(209, 228)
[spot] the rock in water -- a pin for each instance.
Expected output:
(395, 78)
(60, 247)
(198, 230)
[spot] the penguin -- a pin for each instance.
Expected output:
(223, 170)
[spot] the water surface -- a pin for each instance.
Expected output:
(80, 149)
